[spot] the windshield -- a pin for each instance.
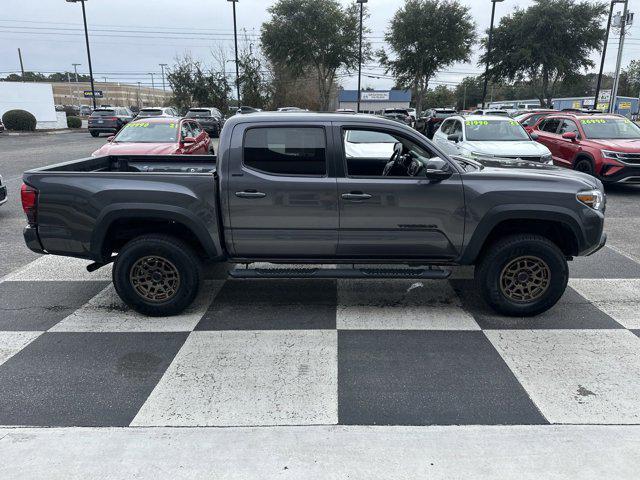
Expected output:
(146, 132)
(151, 113)
(198, 113)
(610, 128)
(495, 131)
(103, 113)
(444, 114)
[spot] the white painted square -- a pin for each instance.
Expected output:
(248, 378)
(107, 313)
(400, 305)
(576, 376)
(12, 342)
(618, 298)
(54, 268)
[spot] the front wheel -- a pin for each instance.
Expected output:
(157, 275)
(522, 275)
(584, 165)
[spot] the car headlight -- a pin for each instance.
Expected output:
(610, 154)
(592, 198)
(547, 159)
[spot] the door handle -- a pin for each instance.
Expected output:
(356, 196)
(250, 194)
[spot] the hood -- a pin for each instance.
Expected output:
(526, 148)
(125, 148)
(626, 145)
(519, 169)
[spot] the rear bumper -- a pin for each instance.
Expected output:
(31, 239)
(102, 129)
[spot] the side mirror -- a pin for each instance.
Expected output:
(437, 175)
(187, 140)
(110, 138)
(534, 136)
(456, 137)
(570, 136)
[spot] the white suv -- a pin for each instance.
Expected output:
(480, 136)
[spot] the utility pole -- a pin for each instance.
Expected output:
(21, 64)
(464, 98)
(616, 82)
(604, 55)
(153, 84)
(235, 39)
(86, 37)
(486, 70)
(139, 96)
(75, 68)
(162, 65)
(361, 2)
(104, 93)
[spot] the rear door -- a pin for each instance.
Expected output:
(396, 217)
(282, 192)
(567, 149)
(548, 135)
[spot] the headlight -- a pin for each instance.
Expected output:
(609, 154)
(547, 159)
(592, 198)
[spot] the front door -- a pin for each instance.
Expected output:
(282, 197)
(568, 149)
(399, 216)
(548, 136)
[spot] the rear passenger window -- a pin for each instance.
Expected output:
(286, 151)
(550, 125)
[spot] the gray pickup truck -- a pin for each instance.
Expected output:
(351, 190)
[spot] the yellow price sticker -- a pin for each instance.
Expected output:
(592, 121)
(473, 123)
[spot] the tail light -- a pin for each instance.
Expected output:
(29, 196)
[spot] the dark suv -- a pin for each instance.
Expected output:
(108, 120)
(210, 119)
(430, 120)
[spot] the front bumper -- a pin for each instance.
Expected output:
(628, 174)
(599, 246)
(32, 240)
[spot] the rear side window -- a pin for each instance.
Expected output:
(550, 125)
(286, 151)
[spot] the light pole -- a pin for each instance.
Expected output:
(361, 2)
(162, 65)
(153, 84)
(486, 70)
(235, 39)
(75, 69)
(86, 37)
(604, 53)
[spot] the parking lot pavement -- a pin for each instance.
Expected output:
(322, 378)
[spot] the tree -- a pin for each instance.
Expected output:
(254, 86)
(424, 37)
(440, 96)
(194, 85)
(549, 42)
(316, 35)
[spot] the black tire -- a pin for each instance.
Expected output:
(94, 134)
(176, 264)
(584, 165)
(499, 279)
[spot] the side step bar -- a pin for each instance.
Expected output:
(432, 273)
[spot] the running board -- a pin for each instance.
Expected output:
(431, 273)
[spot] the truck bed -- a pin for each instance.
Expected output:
(137, 163)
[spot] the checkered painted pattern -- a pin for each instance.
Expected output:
(318, 352)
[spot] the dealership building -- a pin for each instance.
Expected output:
(374, 101)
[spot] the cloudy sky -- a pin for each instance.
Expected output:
(129, 38)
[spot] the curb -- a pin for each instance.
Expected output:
(43, 132)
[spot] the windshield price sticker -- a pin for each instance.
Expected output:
(513, 123)
(593, 121)
(141, 124)
(473, 123)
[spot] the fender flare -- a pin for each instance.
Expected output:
(501, 213)
(146, 211)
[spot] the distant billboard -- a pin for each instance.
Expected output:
(87, 94)
(379, 96)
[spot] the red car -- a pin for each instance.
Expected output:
(158, 136)
(606, 146)
(529, 119)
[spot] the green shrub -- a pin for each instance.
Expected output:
(74, 122)
(20, 120)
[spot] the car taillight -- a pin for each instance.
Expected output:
(29, 196)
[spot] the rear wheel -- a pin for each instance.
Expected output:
(522, 275)
(157, 275)
(584, 165)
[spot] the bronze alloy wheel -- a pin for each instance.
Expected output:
(155, 278)
(525, 279)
